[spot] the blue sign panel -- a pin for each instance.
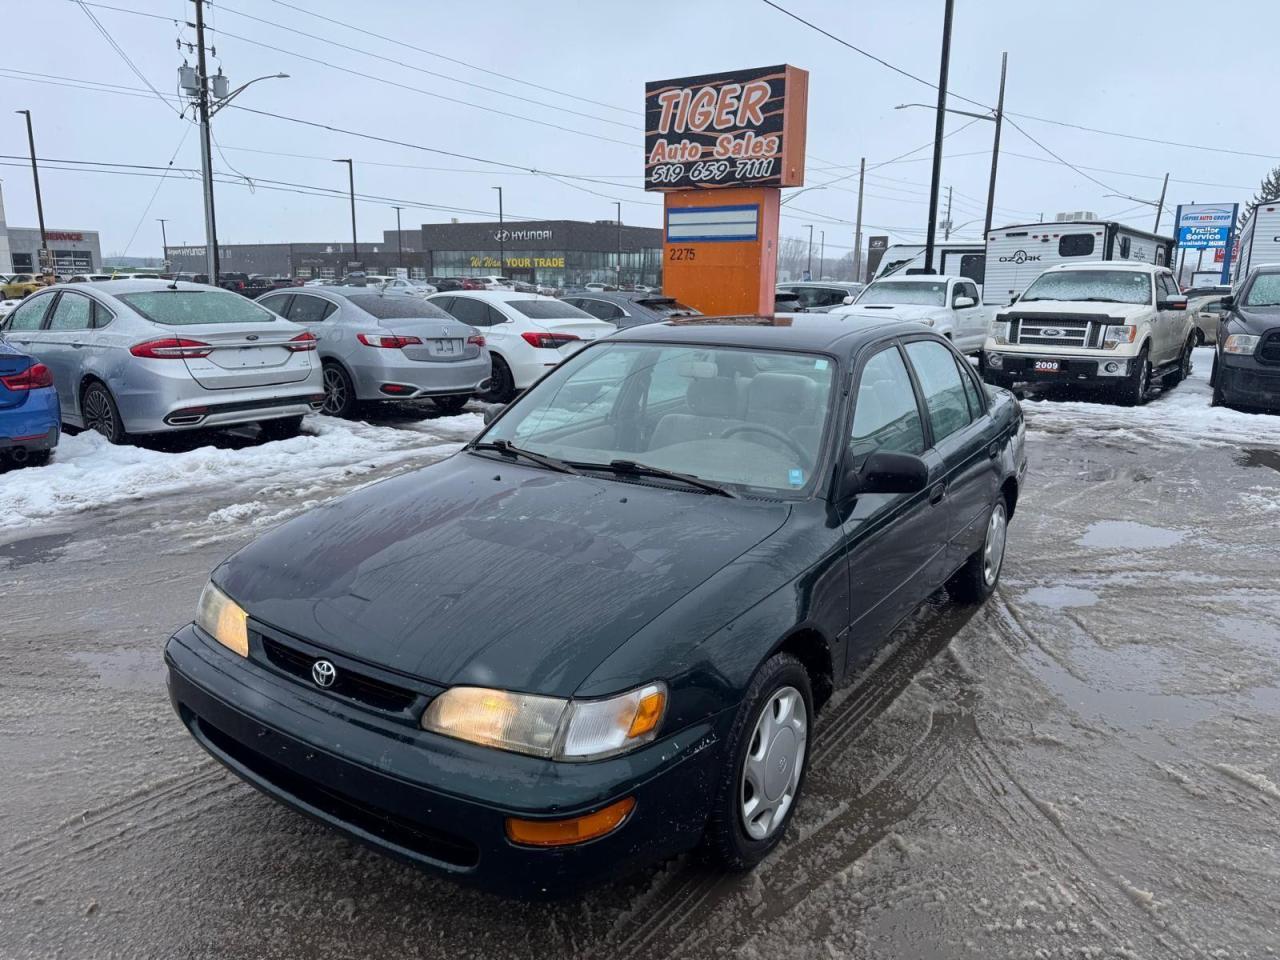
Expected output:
(1203, 238)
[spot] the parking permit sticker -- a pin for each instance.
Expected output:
(797, 478)
(819, 364)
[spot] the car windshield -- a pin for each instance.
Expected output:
(902, 291)
(1104, 286)
(736, 417)
(1264, 291)
(548, 310)
(397, 307)
(184, 307)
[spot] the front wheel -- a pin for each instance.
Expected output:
(1132, 392)
(977, 579)
(1219, 398)
(763, 773)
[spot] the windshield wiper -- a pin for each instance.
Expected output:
(507, 448)
(644, 470)
(1102, 300)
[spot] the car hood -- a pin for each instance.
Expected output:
(1256, 319)
(891, 311)
(480, 571)
(1079, 308)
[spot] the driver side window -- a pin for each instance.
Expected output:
(885, 415)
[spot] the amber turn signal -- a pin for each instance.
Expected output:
(560, 833)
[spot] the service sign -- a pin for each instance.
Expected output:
(1205, 226)
(738, 129)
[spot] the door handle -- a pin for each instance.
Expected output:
(77, 344)
(993, 451)
(937, 493)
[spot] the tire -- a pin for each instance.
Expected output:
(1183, 371)
(980, 575)
(735, 840)
(339, 392)
(281, 428)
(100, 413)
(502, 385)
(38, 458)
(1133, 391)
(451, 406)
(1219, 398)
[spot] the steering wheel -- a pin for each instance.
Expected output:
(805, 460)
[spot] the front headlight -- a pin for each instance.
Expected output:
(1241, 343)
(1116, 335)
(1000, 331)
(549, 726)
(223, 619)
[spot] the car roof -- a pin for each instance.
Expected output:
(803, 332)
(117, 287)
(495, 296)
(1108, 265)
(917, 278)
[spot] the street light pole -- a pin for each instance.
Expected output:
(822, 254)
(618, 204)
(995, 148)
(502, 240)
(399, 239)
(809, 269)
(35, 175)
(939, 127)
(164, 242)
(206, 152)
(351, 189)
(1160, 203)
(857, 230)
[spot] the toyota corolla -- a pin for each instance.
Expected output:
(601, 633)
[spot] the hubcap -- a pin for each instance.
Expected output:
(993, 549)
(97, 413)
(335, 391)
(1143, 378)
(773, 764)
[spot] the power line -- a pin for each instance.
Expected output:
(461, 63)
(1089, 177)
(106, 35)
(868, 54)
(156, 192)
(430, 73)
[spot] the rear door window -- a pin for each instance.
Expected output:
(471, 311)
(277, 304)
(944, 393)
(600, 309)
(73, 312)
(309, 309)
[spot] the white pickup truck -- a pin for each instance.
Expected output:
(950, 305)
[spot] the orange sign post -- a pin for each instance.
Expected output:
(721, 147)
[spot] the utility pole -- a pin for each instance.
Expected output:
(939, 127)
(502, 239)
(809, 269)
(35, 175)
(206, 152)
(946, 230)
(618, 204)
(164, 241)
(857, 230)
(351, 189)
(995, 148)
(822, 254)
(399, 239)
(1160, 204)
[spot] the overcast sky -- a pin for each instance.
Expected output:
(1183, 71)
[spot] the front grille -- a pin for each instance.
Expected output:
(392, 829)
(1072, 334)
(357, 686)
(1269, 351)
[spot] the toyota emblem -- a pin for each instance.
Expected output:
(323, 673)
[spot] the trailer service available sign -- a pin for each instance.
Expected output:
(1205, 226)
(736, 129)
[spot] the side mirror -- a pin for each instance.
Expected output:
(1173, 303)
(847, 300)
(886, 472)
(492, 411)
(962, 302)
(1228, 302)
(1014, 300)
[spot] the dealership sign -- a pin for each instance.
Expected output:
(736, 129)
(1205, 226)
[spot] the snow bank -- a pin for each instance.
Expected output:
(1182, 415)
(87, 472)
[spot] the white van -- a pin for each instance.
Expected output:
(956, 258)
(1018, 254)
(1259, 239)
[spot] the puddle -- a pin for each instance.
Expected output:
(41, 549)
(1059, 598)
(126, 669)
(1128, 535)
(1259, 457)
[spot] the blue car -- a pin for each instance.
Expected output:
(30, 418)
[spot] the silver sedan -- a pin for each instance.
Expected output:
(383, 346)
(153, 356)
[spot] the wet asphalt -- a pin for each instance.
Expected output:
(1086, 766)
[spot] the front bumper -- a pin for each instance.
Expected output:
(438, 803)
(1022, 368)
(1247, 382)
(418, 378)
